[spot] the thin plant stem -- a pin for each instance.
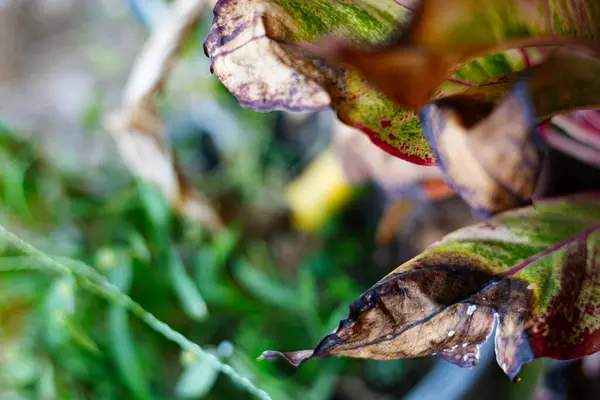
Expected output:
(93, 281)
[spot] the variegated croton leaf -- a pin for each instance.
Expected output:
(536, 270)
(444, 48)
(382, 61)
(251, 52)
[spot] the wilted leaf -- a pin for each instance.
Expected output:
(139, 132)
(534, 269)
(491, 152)
(436, 56)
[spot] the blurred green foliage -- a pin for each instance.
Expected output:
(225, 292)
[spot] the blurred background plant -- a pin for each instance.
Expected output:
(303, 236)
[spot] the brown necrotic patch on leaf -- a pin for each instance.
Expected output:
(486, 142)
(252, 52)
(488, 154)
(534, 269)
(253, 66)
(439, 310)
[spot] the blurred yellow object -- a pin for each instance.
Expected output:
(318, 193)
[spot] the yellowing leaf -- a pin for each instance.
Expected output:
(139, 132)
(318, 193)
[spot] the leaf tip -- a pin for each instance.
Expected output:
(295, 358)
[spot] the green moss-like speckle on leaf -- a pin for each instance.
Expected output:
(543, 278)
(484, 68)
(498, 256)
(544, 230)
(583, 210)
(384, 121)
(472, 72)
(496, 64)
(318, 17)
(311, 27)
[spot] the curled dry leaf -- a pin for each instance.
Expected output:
(490, 149)
(535, 270)
(138, 130)
(250, 45)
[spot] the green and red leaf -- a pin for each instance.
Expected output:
(445, 47)
(535, 270)
(250, 55)
(576, 134)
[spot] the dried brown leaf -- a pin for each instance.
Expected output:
(138, 130)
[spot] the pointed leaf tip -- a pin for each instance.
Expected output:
(295, 358)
